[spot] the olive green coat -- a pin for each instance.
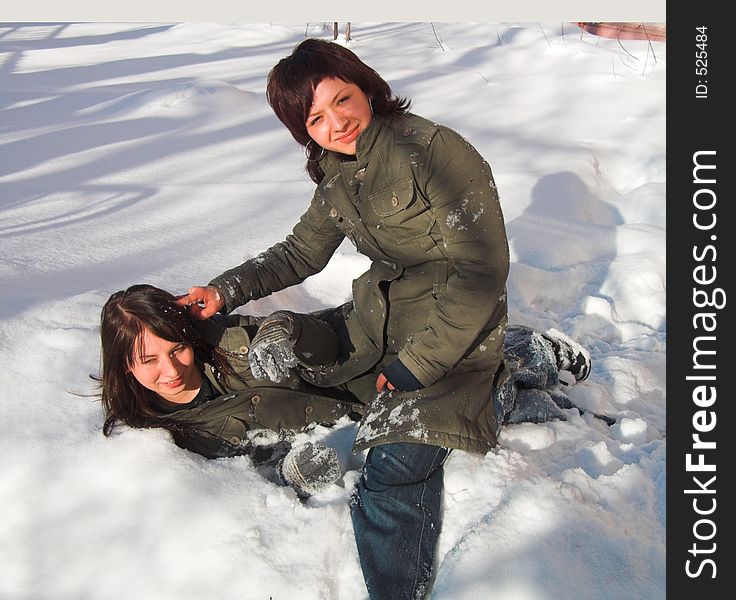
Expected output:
(421, 203)
(224, 426)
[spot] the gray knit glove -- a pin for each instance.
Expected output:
(271, 354)
(309, 468)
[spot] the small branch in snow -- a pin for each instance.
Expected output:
(439, 41)
(618, 39)
(545, 35)
(646, 60)
(649, 47)
(649, 41)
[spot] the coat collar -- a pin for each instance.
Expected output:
(363, 146)
(367, 139)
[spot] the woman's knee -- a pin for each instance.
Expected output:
(402, 464)
(316, 342)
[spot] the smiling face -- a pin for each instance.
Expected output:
(340, 111)
(166, 368)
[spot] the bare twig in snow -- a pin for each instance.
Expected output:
(439, 41)
(618, 39)
(545, 35)
(649, 41)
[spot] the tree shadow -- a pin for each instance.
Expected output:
(53, 39)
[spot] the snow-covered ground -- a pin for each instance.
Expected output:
(147, 153)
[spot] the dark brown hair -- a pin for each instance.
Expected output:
(125, 317)
(291, 85)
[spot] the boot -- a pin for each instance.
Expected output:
(570, 355)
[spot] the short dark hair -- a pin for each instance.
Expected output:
(126, 316)
(291, 85)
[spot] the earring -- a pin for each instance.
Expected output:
(309, 149)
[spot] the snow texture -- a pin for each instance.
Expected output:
(138, 152)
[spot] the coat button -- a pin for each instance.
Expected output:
(408, 131)
(255, 399)
(333, 213)
(235, 440)
(243, 349)
(394, 200)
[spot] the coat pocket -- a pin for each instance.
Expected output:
(400, 212)
(233, 431)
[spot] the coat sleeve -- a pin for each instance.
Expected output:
(463, 196)
(210, 446)
(304, 252)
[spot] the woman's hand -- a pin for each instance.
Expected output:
(382, 383)
(403, 379)
(202, 302)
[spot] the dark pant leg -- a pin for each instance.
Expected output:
(530, 394)
(396, 512)
(315, 341)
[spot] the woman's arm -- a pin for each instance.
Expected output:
(210, 446)
(304, 252)
(463, 196)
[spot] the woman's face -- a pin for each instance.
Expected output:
(167, 368)
(340, 111)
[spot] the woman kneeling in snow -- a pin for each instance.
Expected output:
(216, 384)
(422, 342)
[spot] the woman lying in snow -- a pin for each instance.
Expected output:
(217, 384)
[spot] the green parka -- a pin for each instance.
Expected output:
(221, 426)
(421, 203)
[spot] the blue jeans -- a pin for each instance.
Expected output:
(396, 518)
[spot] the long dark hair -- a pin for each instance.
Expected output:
(291, 85)
(125, 317)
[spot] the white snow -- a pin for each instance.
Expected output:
(147, 153)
